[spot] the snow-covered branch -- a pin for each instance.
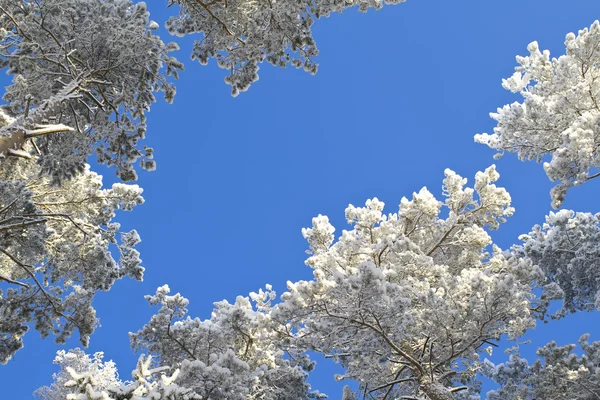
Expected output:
(558, 121)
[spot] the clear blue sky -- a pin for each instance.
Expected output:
(398, 97)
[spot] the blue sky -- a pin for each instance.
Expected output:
(398, 97)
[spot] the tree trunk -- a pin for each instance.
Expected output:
(435, 390)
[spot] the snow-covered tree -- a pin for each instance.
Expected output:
(236, 354)
(559, 375)
(559, 116)
(567, 249)
(55, 250)
(241, 34)
(406, 302)
(84, 74)
(90, 67)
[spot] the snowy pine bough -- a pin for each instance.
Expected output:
(559, 374)
(82, 377)
(241, 34)
(559, 117)
(567, 249)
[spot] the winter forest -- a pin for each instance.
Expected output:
(403, 206)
